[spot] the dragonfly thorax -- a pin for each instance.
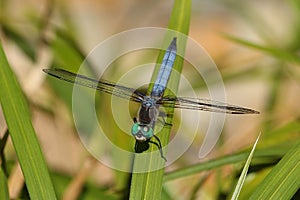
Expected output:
(148, 112)
(148, 102)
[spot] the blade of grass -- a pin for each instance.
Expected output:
(3, 141)
(3, 186)
(242, 178)
(277, 53)
(66, 56)
(23, 136)
(148, 185)
(274, 151)
(278, 78)
(287, 134)
(283, 181)
(198, 186)
(20, 41)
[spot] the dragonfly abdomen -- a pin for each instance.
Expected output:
(165, 70)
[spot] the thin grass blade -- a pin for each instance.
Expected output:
(3, 186)
(149, 185)
(283, 181)
(242, 178)
(277, 53)
(17, 115)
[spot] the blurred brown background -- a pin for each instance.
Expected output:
(252, 78)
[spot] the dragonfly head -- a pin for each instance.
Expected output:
(141, 132)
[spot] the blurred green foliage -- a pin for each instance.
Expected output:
(53, 27)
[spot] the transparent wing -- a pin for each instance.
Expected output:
(102, 85)
(203, 104)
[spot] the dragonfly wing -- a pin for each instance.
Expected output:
(102, 85)
(204, 104)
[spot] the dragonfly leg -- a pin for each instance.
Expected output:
(166, 123)
(134, 120)
(158, 146)
(163, 115)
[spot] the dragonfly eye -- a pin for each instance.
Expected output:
(148, 132)
(141, 132)
(135, 129)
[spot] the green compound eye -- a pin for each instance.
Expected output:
(135, 129)
(147, 132)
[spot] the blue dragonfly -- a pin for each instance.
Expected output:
(143, 127)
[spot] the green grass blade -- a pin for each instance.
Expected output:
(269, 148)
(3, 186)
(277, 53)
(283, 181)
(149, 185)
(23, 136)
(242, 178)
(271, 152)
(20, 41)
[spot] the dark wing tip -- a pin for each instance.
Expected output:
(256, 112)
(240, 110)
(56, 72)
(247, 112)
(46, 70)
(51, 71)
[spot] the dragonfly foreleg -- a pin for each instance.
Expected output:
(134, 120)
(163, 115)
(158, 146)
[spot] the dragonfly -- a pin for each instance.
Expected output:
(143, 127)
